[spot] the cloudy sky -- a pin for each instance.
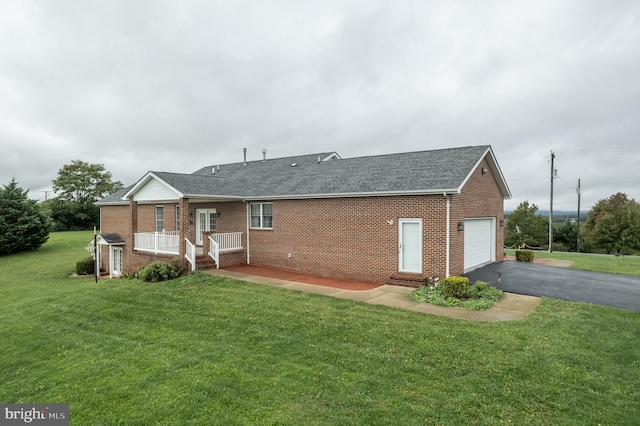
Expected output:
(178, 85)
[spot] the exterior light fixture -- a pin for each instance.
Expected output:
(460, 226)
(501, 223)
(484, 171)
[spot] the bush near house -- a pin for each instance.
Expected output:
(524, 256)
(477, 297)
(160, 271)
(85, 266)
(455, 287)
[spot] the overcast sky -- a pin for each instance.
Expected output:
(175, 86)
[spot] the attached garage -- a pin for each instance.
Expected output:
(479, 242)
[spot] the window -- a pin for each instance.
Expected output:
(159, 219)
(262, 215)
(177, 218)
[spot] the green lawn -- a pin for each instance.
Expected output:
(203, 350)
(629, 265)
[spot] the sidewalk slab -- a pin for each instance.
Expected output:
(510, 307)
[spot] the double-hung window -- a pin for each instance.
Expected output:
(177, 218)
(159, 219)
(262, 215)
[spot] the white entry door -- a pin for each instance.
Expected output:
(116, 259)
(206, 221)
(410, 245)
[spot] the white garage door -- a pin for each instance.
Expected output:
(479, 242)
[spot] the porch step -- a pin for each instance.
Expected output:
(205, 262)
(406, 280)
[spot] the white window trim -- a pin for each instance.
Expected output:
(261, 216)
(177, 210)
(156, 211)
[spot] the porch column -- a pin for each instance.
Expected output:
(133, 216)
(185, 228)
(206, 243)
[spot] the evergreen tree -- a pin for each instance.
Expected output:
(24, 225)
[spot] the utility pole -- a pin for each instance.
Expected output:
(553, 156)
(578, 240)
(46, 193)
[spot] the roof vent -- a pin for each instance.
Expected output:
(213, 170)
(244, 162)
(294, 164)
(264, 155)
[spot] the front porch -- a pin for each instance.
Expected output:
(168, 243)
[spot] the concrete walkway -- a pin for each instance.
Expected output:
(509, 308)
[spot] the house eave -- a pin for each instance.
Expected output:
(354, 194)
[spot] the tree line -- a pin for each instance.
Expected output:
(25, 224)
(612, 226)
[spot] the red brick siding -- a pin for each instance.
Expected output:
(349, 238)
(114, 220)
(481, 198)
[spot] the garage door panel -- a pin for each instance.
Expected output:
(479, 242)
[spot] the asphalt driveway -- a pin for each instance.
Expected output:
(620, 291)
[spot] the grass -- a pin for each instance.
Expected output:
(204, 350)
(628, 265)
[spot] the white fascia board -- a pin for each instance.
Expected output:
(355, 194)
(213, 197)
(332, 156)
(145, 179)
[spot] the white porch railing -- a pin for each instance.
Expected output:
(214, 251)
(228, 241)
(220, 243)
(190, 254)
(166, 242)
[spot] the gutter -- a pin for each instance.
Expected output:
(448, 235)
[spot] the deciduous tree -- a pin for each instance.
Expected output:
(524, 226)
(79, 185)
(613, 224)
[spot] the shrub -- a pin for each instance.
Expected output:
(455, 287)
(160, 271)
(524, 256)
(479, 296)
(85, 266)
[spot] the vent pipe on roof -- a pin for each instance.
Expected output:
(244, 162)
(213, 170)
(318, 159)
(264, 155)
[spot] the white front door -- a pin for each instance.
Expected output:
(410, 245)
(206, 221)
(116, 261)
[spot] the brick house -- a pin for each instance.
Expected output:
(376, 218)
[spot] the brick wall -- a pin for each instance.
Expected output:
(114, 220)
(349, 238)
(480, 198)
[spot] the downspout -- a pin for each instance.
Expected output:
(448, 234)
(248, 219)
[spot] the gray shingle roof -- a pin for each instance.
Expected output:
(413, 172)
